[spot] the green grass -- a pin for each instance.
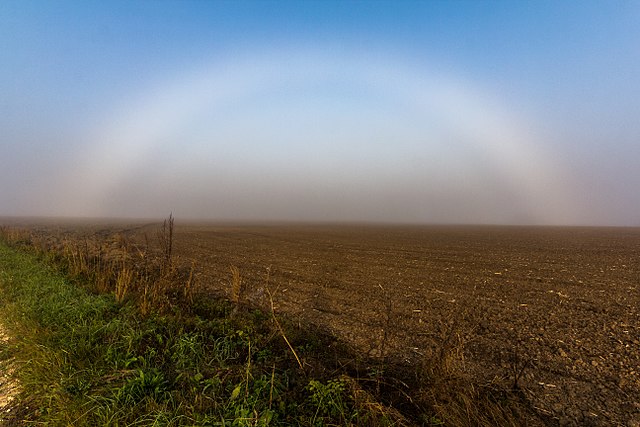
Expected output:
(86, 360)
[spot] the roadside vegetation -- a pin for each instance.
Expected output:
(120, 334)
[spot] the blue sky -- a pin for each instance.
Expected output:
(482, 112)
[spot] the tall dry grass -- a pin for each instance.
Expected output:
(111, 264)
(123, 282)
(237, 286)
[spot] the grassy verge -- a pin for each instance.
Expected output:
(85, 359)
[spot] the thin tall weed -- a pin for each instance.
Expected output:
(237, 286)
(165, 237)
(281, 329)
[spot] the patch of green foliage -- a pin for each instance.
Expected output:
(85, 360)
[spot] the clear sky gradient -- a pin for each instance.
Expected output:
(495, 112)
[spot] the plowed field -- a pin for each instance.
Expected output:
(554, 310)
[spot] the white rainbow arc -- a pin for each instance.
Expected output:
(136, 128)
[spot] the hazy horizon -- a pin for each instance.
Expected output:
(367, 112)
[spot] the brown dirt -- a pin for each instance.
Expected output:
(555, 311)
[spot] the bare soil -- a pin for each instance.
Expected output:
(554, 312)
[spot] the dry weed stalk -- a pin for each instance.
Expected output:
(518, 366)
(279, 326)
(237, 288)
(386, 327)
(145, 304)
(381, 352)
(165, 236)
(104, 278)
(123, 281)
(103, 272)
(160, 282)
(153, 296)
